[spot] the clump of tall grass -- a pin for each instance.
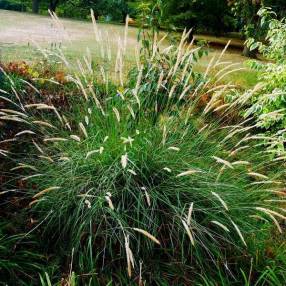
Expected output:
(137, 194)
(132, 190)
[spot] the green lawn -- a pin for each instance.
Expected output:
(20, 33)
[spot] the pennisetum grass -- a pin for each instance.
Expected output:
(149, 169)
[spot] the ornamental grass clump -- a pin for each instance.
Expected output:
(133, 190)
(128, 184)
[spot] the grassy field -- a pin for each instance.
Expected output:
(22, 34)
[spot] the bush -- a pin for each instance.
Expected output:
(115, 10)
(266, 102)
(13, 5)
(212, 16)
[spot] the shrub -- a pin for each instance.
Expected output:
(13, 5)
(266, 101)
(212, 16)
(114, 10)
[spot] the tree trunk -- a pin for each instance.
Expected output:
(53, 5)
(124, 15)
(247, 53)
(35, 6)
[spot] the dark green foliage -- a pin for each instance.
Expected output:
(16, 5)
(204, 15)
(211, 16)
(116, 10)
(20, 257)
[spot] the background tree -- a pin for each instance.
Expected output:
(204, 15)
(53, 5)
(45, 4)
(35, 6)
(115, 9)
(211, 16)
(247, 20)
